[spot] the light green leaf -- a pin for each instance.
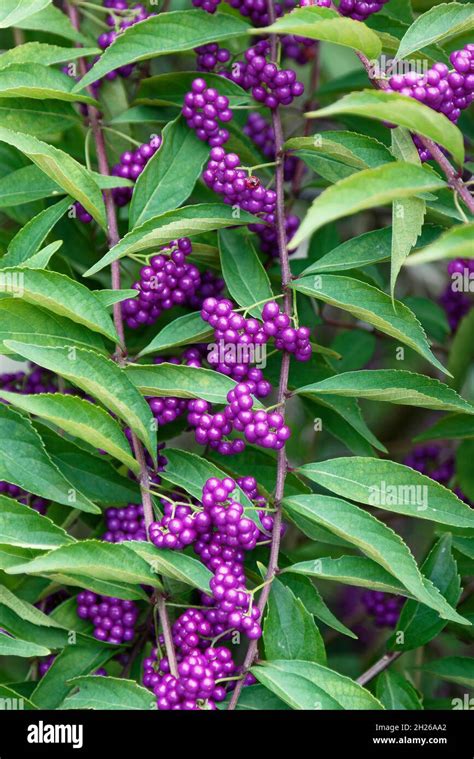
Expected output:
(243, 272)
(175, 381)
(113, 562)
(13, 11)
(325, 24)
(392, 386)
(256, 698)
(289, 629)
(436, 25)
(173, 564)
(370, 305)
(32, 80)
(24, 527)
(364, 250)
(402, 111)
(41, 119)
(395, 692)
(24, 609)
(12, 647)
(41, 259)
(163, 34)
(29, 239)
(53, 21)
(306, 591)
(170, 175)
(189, 220)
(99, 376)
(20, 443)
(62, 169)
(454, 243)
(190, 328)
(59, 294)
(310, 686)
(350, 570)
(111, 693)
(390, 486)
(44, 53)
(77, 417)
(169, 89)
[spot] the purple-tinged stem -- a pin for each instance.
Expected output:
(272, 568)
(378, 667)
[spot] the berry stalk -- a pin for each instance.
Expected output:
(113, 237)
(284, 371)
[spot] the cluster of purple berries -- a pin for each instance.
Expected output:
(34, 380)
(210, 56)
(131, 16)
(224, 175)
(179, 526)
(167, 410)
(359, 9)
(269, 85)
(262, 135)
(113, 619)
(383, 607)
(127, 523)
(431, 461)
(166, 282)
(203, 109)
(22, 496)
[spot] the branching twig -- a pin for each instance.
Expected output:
(378, 667)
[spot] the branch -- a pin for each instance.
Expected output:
(378, 667)
(283, 383)
(113, 237)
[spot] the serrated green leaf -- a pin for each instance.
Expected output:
(402, 111)
(289, 629)
(13, 12)
(186, 329)
(392, 386)
(418, 624)
(189, 220)
(40, 119)
(173, 380)
(453, 427)
(391, 486)
(169, 89)
(173, 564)
(454, 669)
(395, 692)
(454, 243)
(436, 25)
(170, 175)
(350, 570)
(111, 693)
(370, 305)
(25, 610)
(29, 239)
(59, 294)
(376, 540)
(113, 562)
(24, 527)
(306, 685)
(364, 250)
(52, 21)
(12, 647)
(78, 417)
(243, 272)
(19, 443)
(62, 169)
(162, 34)
(44, 53)
(365, 189)
(32, 80)
(257, 698)
(326, 25)
(303, 588)
(99, 376)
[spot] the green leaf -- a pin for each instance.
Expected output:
(454, 243)
(13, 12)
(173, 564)
(407, 213)
(17, 700)
(173, 380)
(186, 329)
(350, 570)
(62, 169)
(402, 111)
(392, 386)
(24, 527)
(44, 53)
(99, 376)
(289, 629)
(20, 443)
(395, 692)
(189, 220)
(32, 80)
(462, 351)
(325, 24)
(52, 21)
(243, 272)
(77, 417)
(163, 34)
(370, 305)
(310, 686)
(364, 250)
(12, 647)
(453, 427)
(169, 177)
(365, 189)
(23, 322)
(376, 540)
(24, 609)
(419, 624)
(113, 562)
(41, 259)
(111, 693)
(40, 119)
(390, 486)
(169, 89)
(436, 25)
(256, 698)
(29, 239)
(73, 661)
(454, 669)
(59, 294)
(309, 595)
